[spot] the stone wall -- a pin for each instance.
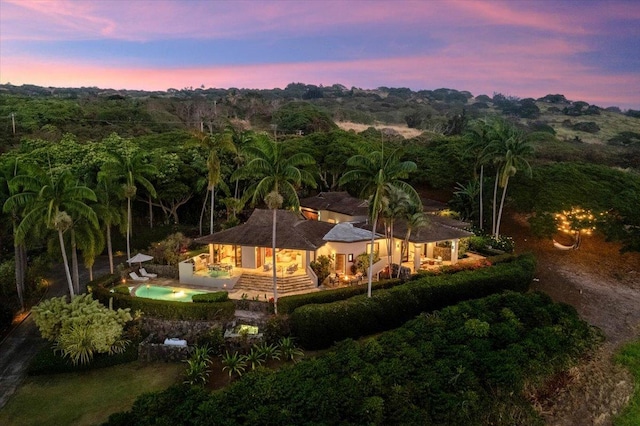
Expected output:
(165, 271)
(188, 330)
(149, 351)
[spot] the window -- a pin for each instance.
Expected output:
(376, 248)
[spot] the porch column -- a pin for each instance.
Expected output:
(210, 253)
(454, 251)
(417, 257)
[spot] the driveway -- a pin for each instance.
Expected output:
(24, 341)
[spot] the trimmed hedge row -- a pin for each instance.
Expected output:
(320, 325)
(288, 304)
(215, 297)
(166, 309)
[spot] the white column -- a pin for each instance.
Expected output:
(454, 251)
(417, 257)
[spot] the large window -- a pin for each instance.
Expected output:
(376, 248)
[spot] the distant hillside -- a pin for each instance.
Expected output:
(91, 113)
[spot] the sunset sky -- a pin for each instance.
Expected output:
(587, 50)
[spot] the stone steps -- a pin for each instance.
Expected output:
(264, 283)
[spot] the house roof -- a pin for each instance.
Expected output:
(346, 232)
(439, 229)
(339, 202)
(292, 231)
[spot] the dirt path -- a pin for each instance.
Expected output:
(604, 287)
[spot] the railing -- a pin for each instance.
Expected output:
(312, 276)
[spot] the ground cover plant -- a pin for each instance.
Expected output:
(467, 364)
(629, 356)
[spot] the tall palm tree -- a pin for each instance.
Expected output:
(508, 148)
(278, 177)
(375, 174)
(394, 204)
(57, 202)
(478, 136)
(415, 218)
(9, 170)
(515, 157)
(131, 169)
(109, 211)
(214, 146)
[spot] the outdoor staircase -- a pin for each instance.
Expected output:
(264, 283)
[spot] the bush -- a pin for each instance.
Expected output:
(47, 361)
(215, 297)
(466, 365)
(319, 326)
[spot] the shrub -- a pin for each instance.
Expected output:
(321, 267)
(47, 361)
(215, 297)
(453, 367)
(82, 327)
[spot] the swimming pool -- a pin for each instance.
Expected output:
(174, 294)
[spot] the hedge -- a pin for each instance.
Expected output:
(320, 325)
(288, 304)
(167, 309)
(215, 297)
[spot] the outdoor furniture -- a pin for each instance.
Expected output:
(136, 277)
(292, 268)
(267, 267)
(144, 273)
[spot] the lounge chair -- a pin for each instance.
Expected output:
(136, 277)
(144, 273)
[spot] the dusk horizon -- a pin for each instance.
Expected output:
(588, 52)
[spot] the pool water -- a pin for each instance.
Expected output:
(174, 294)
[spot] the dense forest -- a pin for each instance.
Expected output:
(187, 146)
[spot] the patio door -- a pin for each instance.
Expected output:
(341, 263)
(259, 257)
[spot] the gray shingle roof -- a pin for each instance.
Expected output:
(339, 202)
(292, 231)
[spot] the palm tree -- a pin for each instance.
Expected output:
(376, 174)
(109, 211)
(478, 135)
(517, 150)
(394, 204)
(278, 178)
(130, 168)
(508, 148)
(214, 145)
(9, 170)
(415, 219)
(56, 203)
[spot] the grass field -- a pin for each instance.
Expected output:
(86, 398)
(629, 356)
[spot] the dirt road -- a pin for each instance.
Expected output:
(604, 287)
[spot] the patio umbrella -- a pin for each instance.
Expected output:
(139, 258)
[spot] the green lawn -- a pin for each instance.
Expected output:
(629, 356)
(86, 398)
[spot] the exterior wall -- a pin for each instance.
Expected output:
(249, 260)
(333, 217)
(355, 248)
